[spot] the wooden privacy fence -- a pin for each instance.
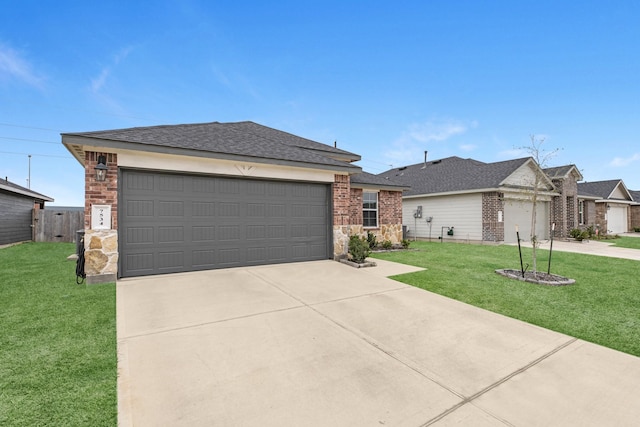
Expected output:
(58, 225)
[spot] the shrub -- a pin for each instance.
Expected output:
(578, 234)
(405, 243)
(386, 245)
(371, 240)
(358, 249)
(636, 229)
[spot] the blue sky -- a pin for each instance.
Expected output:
(386, 80)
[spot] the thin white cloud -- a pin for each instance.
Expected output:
(624, 161)
(514, 153)
(14, 66)
(235, 82)
(435, 131)
(410, 146)
(101, 80)
(468, 147)
(98, 83)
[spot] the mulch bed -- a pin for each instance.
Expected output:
(539, 278)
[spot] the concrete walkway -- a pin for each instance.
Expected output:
(591, 247)
(324, 344)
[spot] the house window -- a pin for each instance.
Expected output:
(370, 209)
(581, 212)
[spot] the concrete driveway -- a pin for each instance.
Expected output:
(323, 344)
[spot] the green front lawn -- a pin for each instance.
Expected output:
(602, 307)
(627, 242)
(57, 341)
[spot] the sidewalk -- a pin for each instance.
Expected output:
(590, 247)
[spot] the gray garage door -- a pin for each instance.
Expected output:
(173, 223)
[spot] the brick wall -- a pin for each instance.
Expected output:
(492, 229)
(347, 215)
(564, 207)
(390, 207)
(100, 193)
(341, 199)
(635, 216)
(600, 215)
(355, 206)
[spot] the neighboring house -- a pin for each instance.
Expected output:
(214, 195)
(17, 205)
(635, 210)
(612, 204)
(469, 200)
(566, 211)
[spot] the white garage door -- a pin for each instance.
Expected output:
(518, 212)
(617, 219)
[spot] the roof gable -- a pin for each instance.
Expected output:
(613, 189)
(563, 172)
(526, 176)
(454, 174)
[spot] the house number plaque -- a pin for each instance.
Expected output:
(101, 217)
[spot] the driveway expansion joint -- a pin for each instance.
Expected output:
(490, 387)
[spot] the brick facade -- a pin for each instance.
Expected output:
(601, 218)
(348, 217)
(564, 206)
(100, 193)
(341, 200)
(390, 207)
(634, 217)
(355, 206)
(492, 204)
(101, 246)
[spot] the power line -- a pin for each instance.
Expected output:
(29, 127)
(29, 140)
(37, 155)
(65, 108)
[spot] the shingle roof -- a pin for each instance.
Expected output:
(245, 139)
(636, 195)
(560, 171)
(601, 189)
(453, 174)
(15, 188)
(366, 178)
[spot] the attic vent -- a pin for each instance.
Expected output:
(402, 168)
(435, 162)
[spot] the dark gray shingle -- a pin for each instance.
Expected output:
(243, 139)
(601, 189)
(453, 174)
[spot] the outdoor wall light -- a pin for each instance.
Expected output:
(101, 168)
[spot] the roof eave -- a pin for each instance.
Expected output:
(75, 144)
(30, 194)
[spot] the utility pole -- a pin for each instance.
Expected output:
(29, 179)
